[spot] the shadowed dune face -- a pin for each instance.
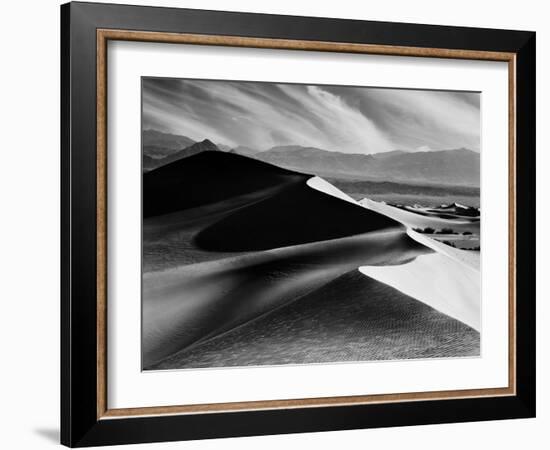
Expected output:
(169, 240)
(208, 177)
(352, 318)
(296, 215)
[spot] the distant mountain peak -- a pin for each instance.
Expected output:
(307, 150)
(169, 141)
(209, 143)
(205, 145)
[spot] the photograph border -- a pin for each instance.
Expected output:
(117, 35)
(86, 30)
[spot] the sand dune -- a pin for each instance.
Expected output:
(229, 241)
(323, 185)
(414, 220)
(206, 178)
(296, 215)
(438, 281)
(471, 259)
(351, 318)
(188, 304)
(169, 239)
(448, 280)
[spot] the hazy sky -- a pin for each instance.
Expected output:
(335, 118)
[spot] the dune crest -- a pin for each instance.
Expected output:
(414, 220)
(208, 177)
(469, 258)
(323, 185)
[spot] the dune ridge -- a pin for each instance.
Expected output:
(469, 258)
(208, 177)
(414, 220)
(323, 185)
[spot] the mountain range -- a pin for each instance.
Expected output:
(159, 145)
(456, 167)
(459, 167)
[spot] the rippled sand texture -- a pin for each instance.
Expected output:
(353, 318)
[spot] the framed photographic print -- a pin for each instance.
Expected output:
(276, 224)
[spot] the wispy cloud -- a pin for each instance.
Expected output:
(346, 119)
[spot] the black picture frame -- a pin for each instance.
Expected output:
(80, 424)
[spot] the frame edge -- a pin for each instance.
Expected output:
(81, 431)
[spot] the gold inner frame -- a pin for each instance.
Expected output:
(104, 35)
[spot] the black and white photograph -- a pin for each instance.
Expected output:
(275, 225)
(305, 224)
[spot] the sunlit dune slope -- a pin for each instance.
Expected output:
(438, 281)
